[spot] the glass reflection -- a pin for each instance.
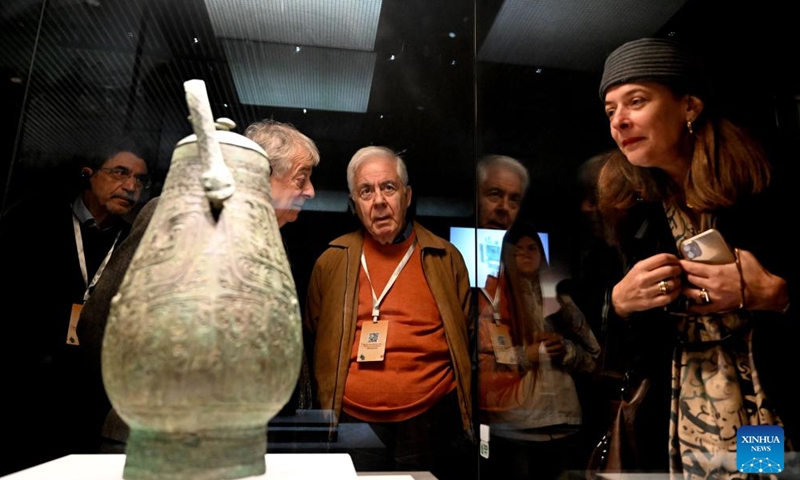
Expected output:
(346, 74)
(444, 84)
(526, 359)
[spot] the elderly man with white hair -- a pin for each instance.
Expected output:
(502, 183)
(388, 307)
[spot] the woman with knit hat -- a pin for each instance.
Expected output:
(718, 331)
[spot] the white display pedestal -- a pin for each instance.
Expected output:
(280, 466)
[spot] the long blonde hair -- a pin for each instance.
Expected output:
(525, 315)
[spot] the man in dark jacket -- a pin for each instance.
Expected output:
(57, 252)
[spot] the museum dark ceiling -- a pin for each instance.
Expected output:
(396, 72)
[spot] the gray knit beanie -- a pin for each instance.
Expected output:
(655, 59)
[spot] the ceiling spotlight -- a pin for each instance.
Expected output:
(392, 58)
(297, 49)
(196, 40)
(452, 34)
(305, 110)
(538, 70)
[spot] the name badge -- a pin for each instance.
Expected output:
(372, 345)
(501, 343)
(72, 331)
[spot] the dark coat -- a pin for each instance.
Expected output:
(49, 410)
(644, 343)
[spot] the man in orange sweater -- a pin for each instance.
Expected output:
(388, 307)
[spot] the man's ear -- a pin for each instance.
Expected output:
(351, 205)
(694, 107)
(408, 195)
(86, 174)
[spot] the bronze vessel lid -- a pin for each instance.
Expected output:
(224, 135)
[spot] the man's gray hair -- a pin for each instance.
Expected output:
(502, 161)
(365, 154)
(282, 142)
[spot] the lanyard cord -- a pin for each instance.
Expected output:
(376, 301)
(495, 302)
(76, 227)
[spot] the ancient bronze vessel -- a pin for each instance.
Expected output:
(203, 343)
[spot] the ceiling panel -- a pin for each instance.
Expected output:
(345, 24)
(570, 34)
(280, 75)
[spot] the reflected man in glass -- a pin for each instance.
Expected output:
(502, 182)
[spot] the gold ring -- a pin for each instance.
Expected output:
(663, 287)
(703, 298)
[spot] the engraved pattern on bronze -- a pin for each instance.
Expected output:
(203, 344)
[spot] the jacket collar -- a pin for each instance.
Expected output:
(425, 239)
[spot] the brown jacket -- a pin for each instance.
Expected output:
(332, 307)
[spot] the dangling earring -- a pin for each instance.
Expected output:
(689, 126)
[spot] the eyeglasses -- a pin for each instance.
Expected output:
(367, 192)
(122, 174)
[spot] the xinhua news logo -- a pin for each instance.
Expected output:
(759, 449)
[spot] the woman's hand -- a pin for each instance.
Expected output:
(641, 289)
(762, 290)
(553, 344)
(549, 343)
(532, 352)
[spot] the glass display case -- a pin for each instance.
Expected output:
(443, 84)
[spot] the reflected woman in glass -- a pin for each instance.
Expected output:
(718, 330)
(527, 394)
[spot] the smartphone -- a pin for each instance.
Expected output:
(707, 247)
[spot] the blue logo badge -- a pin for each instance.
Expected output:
(759, 449)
